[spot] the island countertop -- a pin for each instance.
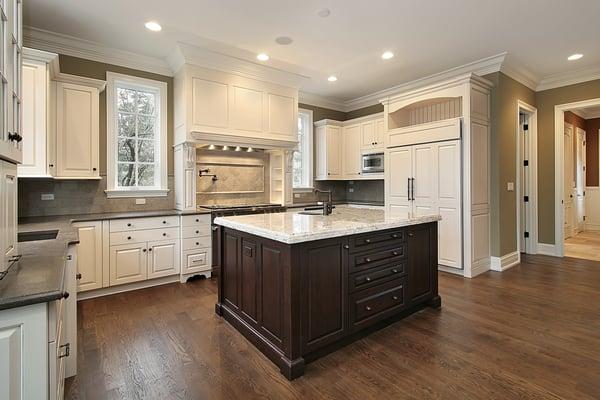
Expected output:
(293, 227)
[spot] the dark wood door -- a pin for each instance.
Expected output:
(324, 292)
(419, 262)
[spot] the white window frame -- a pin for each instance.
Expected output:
(307, 151)
(113, 190)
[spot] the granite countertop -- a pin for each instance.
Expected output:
(335, 203)
(292, 227)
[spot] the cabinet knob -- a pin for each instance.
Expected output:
(94, 169)
(129, 224)
(411, 235)
(51, 165)
(346, 246)
(78, 276)
(394, 271)
(328, 173)
(128, 237)
(367, 260)
(394, 253)
(150, 249)
(395, 235)
(395, 297)
(197, 244)
(368, 308)
(164, 222)
(367, 240)
(144, 250)
(164, 234)
(367, 279)
(197, 231)
(197, 220)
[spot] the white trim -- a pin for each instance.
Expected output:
(450, 270)
(569, 78)
(105, 291)
(559, 127)
(80, 80)
(505, 262)
(533, 177)
(546, 249)
(520, 74)
(307, 152)
(112, 191)
(322, 101)
(89, 50)
(478, 268)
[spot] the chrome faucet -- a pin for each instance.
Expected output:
(327, 205)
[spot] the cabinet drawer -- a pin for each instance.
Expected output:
(195, 231)
(197, 243)
(377, 303)
(376, 239)
(193, 220)
(132, 224)
(376, 258)
(375, 276)
(196, 261)
(117, 238)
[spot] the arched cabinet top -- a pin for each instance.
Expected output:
(424, 111)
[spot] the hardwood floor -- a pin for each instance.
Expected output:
(584, 245)
(532, 332)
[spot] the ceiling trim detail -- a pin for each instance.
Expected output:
(69, 45)
(321, 101)
(569, 78)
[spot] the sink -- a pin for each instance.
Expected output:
(37, 235)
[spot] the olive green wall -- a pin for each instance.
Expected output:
(546, 100)
(362, 112)
(97, 70)
(320, 113)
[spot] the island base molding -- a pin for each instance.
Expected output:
(298, 302)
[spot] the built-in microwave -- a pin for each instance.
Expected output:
(372, 163)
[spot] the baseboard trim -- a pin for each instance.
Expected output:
(450, 270)
(592, 227)
(126, 287)
(478, 268)
(546, 249)
(505, 262)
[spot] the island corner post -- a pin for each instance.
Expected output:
(298, 302)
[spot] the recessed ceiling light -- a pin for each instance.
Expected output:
(283, 40)
(262, 57)
(324, 13)
(574, 57)
(387, 55)
(153, 26)
(332, 78)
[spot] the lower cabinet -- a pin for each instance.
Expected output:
(422, 250)
(163, 258)
(128, 263)
(89, 250)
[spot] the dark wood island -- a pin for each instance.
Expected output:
(300, 286)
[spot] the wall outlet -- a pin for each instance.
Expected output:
(47, 196)
(510, 186)
(351, 190)
(296, 195)
(140, 201)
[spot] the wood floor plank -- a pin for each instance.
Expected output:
(532, 332)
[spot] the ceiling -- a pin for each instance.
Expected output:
(588, 112)
(427, 36)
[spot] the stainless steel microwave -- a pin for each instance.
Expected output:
(372, 163)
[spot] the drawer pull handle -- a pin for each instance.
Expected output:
(395, 297)
(367, 279)
(367, 260)
(394, 271)
(164, 234)
(67, 352)
(128, 237)
(368, 308)
(394, 253)
(367, 240)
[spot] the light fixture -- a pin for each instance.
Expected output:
(283, 40)
(153, 26)
(574, 57)
(238, 148)
(211, 147)
(262, 57)
(387, 55)
(332, 78)
(324, 12)
(250, 150)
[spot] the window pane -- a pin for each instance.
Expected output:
(126, 124)
(126, 150)
(126, 99)
(145, 151)
(146, 175)
(145, 103)
(146, 125)
(126, 174)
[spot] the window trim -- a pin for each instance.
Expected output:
(112, 190)
(310, 154)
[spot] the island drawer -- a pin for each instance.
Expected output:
(378, 257)
(375, 276)
(375, 304)
(376, 239)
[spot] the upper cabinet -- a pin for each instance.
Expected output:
(11, 58)
(219, 107)
(328, 142)
(60, 120)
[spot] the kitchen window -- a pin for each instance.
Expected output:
(303, 156)
(136, 111)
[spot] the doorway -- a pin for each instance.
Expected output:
(527, 219)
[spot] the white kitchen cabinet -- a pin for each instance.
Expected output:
(328, 139)
(351, 138)
(196, 244)
(128, 263)
(8, 209)
(77, 131)
(162, 258)
(89, 249)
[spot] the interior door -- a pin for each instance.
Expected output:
(399, 163)
(568, 181)
(163, 258)
(423, 185)
(580, 166)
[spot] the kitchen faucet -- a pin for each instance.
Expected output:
(327, 205)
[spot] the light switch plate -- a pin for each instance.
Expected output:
(510, 186)
(140, 201)
(47, 196)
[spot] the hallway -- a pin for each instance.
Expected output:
(584, 245)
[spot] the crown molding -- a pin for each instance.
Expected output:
(321, 101)
(569, 78)
(199, 56)
(69, 45)
(520, 74)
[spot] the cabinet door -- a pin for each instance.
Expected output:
(379, 134)
(77, 127)
(423, 187)
(421, 262)
(334, 152)
(34, 100)
(163, 258)
(9, 209)
(321, 152)
(367, 134)
(89, 251)
(352, 154)
(398, 166)
(128, 263)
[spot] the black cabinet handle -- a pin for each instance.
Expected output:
(164, 234)
(197, 244)
(197, 220)
(128, 224)
(51, 165)
(65, 295)
(78, 276)
(164, 222)
(197, 231)
(67, 352)
(150, 249)
(144, 250)
(94, 169)
(128, 237)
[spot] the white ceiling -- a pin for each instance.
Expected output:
(427, 36)
(588, 112)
